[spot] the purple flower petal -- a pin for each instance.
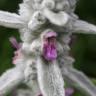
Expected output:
(69, 91)
(49, 52)
(14, 43)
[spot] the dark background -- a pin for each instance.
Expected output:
(83, 46)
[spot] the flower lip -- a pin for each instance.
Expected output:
(50, 34)
(49, 46)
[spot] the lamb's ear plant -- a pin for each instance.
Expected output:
(42, 61)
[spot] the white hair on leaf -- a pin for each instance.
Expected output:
(32, 68)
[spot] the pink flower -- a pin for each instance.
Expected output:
(17, 46)
(49, 46)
